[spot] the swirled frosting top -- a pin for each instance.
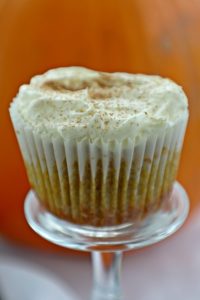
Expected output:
(77, 103)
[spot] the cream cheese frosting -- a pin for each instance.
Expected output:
(77, 103)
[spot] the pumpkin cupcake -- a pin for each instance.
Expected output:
(100, 148)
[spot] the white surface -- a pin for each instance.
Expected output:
(169, 270)
(23, 281)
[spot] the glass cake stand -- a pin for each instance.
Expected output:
(107, 244)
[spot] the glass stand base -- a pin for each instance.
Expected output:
(108, 243)
(150, 230)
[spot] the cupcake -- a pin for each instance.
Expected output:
(100, 148)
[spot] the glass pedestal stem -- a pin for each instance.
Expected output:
(106, 273)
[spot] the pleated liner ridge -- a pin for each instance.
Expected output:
(99, 183)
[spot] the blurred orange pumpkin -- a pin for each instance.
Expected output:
(156, 36)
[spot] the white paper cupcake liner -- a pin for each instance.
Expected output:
(100, 183)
